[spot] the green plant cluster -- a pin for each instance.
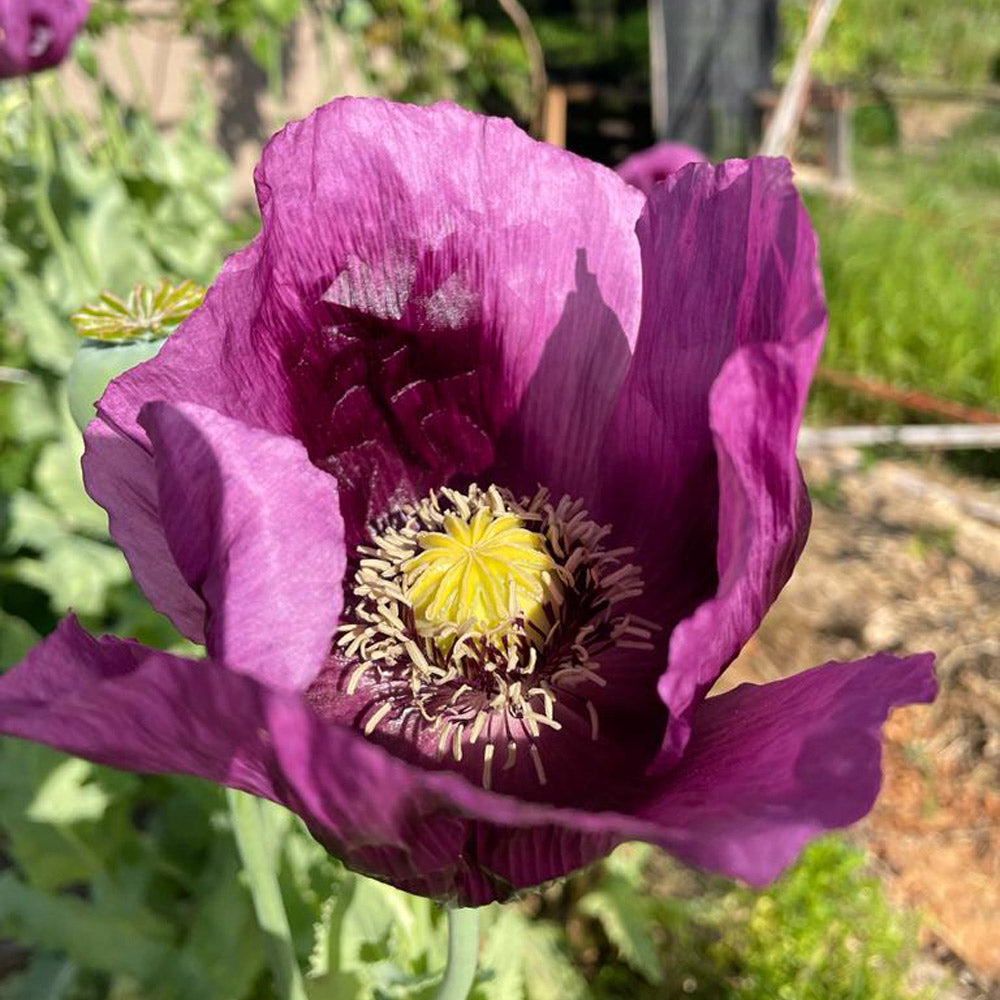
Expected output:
(928, 39)
(83, 209)
(409, 50)
(641, 928)
(422, 52)
(610, 47)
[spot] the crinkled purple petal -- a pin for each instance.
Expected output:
(651, 166)
(120, 475)
(729, 262)
(768, 767)
(256, 532)
(37, 34)
(118, 467)
(121, 704)
(415, 269)
(429, 832)
(764, 516)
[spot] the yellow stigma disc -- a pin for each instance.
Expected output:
(486, 569)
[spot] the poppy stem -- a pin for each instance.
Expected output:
(463, 954)
(254, 839)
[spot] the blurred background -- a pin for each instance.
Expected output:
(132, 162)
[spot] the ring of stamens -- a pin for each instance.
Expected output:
(481, 613)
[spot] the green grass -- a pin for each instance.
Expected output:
(940, 39)
(911, 271)
(825, 931)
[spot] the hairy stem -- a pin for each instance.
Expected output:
(463, 953)
(253, 838)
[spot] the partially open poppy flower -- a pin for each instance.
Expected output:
(473, 473)
(651, 166)
(37, 34)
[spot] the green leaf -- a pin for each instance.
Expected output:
(222, 954)
(368, 921)
(339, 986)
(32, 524)
(377, 941)
(621, 912)
(16, 638)
(630, 862)
(68, 795)
(48, 975)
(93, 938)
(50, 857)
(33, 415)
(527, 959)
(76, 573)
(548, 969)
(49, 340)
(59, 481)
(327, 979)
(109, 233)
(50, 852)
(502, 959)
(394, 983)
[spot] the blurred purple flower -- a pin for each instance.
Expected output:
(37, 34)
(330, 476)
(650, 166)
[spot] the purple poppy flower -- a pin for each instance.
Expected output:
(37, 34)
(473, 473)
(650, 166)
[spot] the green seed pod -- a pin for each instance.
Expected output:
(96, 363)
(121, 333)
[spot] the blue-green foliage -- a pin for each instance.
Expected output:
(82, 210)
(109, 878)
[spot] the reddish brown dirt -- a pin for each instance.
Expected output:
(896, 562)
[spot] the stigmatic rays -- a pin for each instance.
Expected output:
(481, 617)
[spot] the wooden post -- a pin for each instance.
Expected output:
(841, 135)
(555, 115)
(784, 124)
(659, 86)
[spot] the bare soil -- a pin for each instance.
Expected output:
(905, 557)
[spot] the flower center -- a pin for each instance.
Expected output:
(481, 573)
(483, 617)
